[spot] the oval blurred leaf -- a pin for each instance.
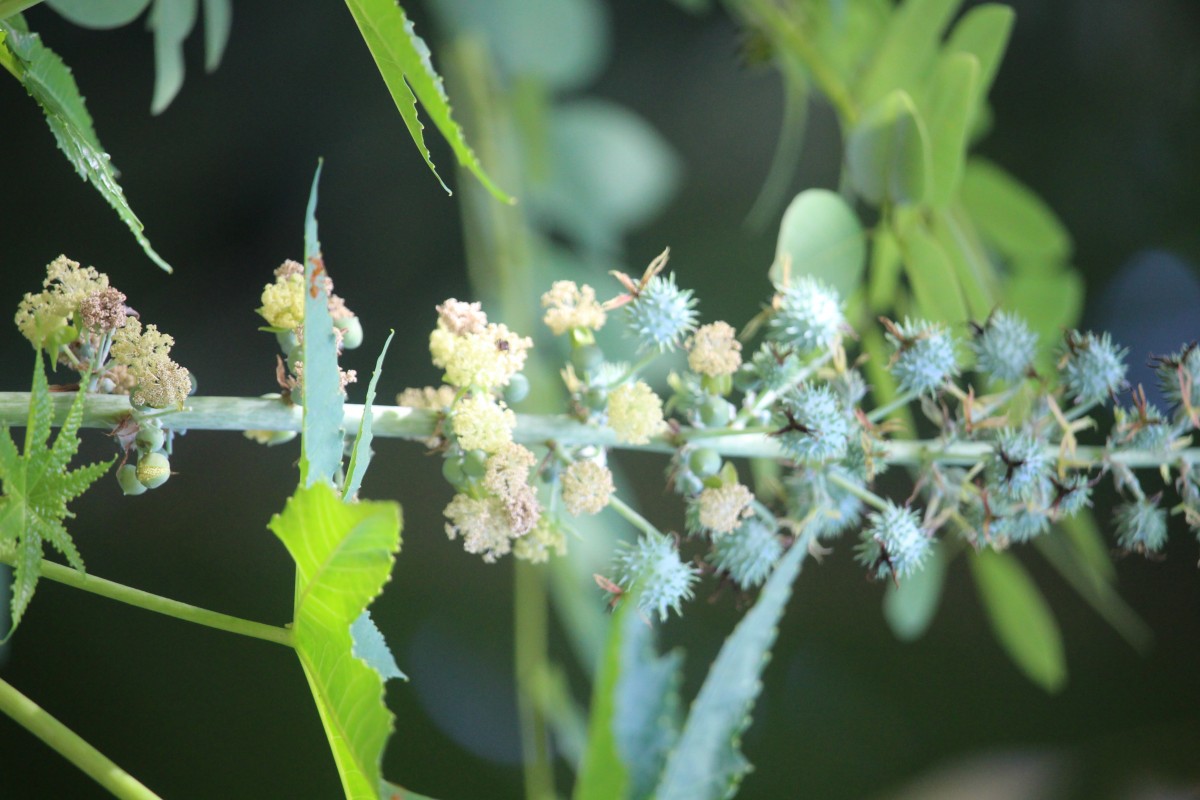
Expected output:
(983, 32)
(1011, 217)
(904, 56)
(909, 608)
(99, 14)
(820, 235)
(171, 21)
(1050, 301)
(1020, 618)
(951, 105)
(887, 153)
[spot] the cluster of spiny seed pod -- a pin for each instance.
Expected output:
(81, 321)
(1005, 463)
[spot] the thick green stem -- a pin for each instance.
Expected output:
(530, 641)
(162, 605)
(399, 422)
(70, 746)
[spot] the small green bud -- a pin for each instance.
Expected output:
(153, 470)
(287, 341)
(716, 413)
(352, 332)
(517, 389)
(475, 464)
(596, 399)
(128, 479)
(586, 359)
(453, 472)
(705, 462)
(720, 385)
(150, 438)
(687, 484)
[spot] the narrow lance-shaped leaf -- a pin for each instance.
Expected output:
(908, 46)
(983, 32)
(931, 273)
(344, 554)
(360, 457)
(707, 763)
(321, 445)
(218, 22)
(634, 718)
(406, 65)
(50, 83)
(1020, 618)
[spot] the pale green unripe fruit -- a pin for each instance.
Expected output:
(517, 389)
(475, 464)
(128, 479)
(153, 470)
(150, 438)
(705, 462)
(352, 332)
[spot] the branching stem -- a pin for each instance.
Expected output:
(163, 605)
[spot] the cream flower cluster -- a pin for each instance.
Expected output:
(474, 352)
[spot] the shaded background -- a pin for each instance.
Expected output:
(1096, 107)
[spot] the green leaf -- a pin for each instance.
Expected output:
(50, 83)
(951, 106)
(391, 791)
(909, 607)
(1011, 217)
(170, 21)
(820, 235)
(1020, 618)
(976, 274)
(99, 14)
(371, 647)
(887, 152)
(218, 22)
(884, 276)
(405, 63)
(931, 273)
(909, 45)
(344, 554)
(321, 443)
(37, 487)
(983, 32)
(1075, 552)
(634, 718)
(1051, 302)
(707, 763)
(360, 456)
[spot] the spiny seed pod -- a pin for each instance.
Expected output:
(153, 470)
(128, 480)
(662, 314)
(1093, 368)
(1004, 348)
(1017, 468)
(653, 567)
(809, 316)
(924, 358)
(829, 508)
(814, 428)
(1072, 494)
(748, 554)
(893, 544)
(1179, 376)
(1141, 526)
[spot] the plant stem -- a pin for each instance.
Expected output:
(70, 746)
(904, 399)
(634, 518)
(866, 495)
(162, 605)
(530, 642)
(400, 422)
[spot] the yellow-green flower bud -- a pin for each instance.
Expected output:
(153, 470)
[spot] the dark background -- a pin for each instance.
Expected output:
(1096, 107)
